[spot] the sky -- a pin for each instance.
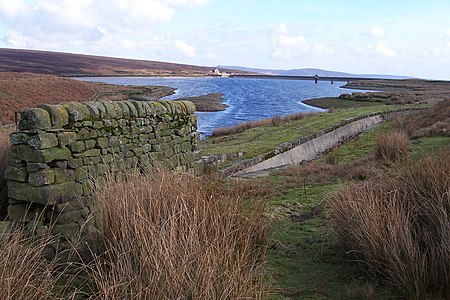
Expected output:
(402, 37)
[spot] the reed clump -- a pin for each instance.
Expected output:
(174, 236)
(398, 225)
(392, 146)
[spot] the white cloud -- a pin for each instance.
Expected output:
(186, 49)
(186, 2)
(383, 50)
(287, 46)
(377, 32)
(448, 44)
(58, 23)
(378, 49)
(10, 8)
(448, 33)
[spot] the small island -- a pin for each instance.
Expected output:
(208, 103)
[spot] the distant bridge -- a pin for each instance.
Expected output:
(316, 78)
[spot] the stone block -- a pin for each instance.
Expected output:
(102, 142)
(96, 109)
(66, 138)
(81, 173)
(45, 156)
(45, 195)
(77, 111)
(35, 118)
(58, 115)
(70, 231)
(34, 167)
(16, 173)
(23, 212)
(42, 177)
(98, 124)
(132, 109)
(110, 109)
(75, 163)
(125, 109)
(62, 175)
(18, 138)
(90, 144)
(43, 140)
(67, 217)
(77, 147)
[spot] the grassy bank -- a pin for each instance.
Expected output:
(262, 139)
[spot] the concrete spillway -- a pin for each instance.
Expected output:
(315, 147)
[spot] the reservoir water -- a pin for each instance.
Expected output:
(248, 99)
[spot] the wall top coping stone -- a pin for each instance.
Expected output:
(47, 116)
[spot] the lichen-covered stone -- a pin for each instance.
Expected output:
(45, 195)
(102, 142)
(35, 118)
(34, 167)
(96, 109)
(77, 147)
(110, 109)
(62, 175)
(42, 177)
(77, 111)
(75, 162)
(58, 114)
(45, 156)
(66, 138)
(18, 138)
(90, 144)
(43, 140)
(16, 173)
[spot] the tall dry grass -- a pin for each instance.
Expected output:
(392, 146)
(25, 273)
(274, 121)
(434, 121)
(398, 224)
(5, 145)
(174, 236)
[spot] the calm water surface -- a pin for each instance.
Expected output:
(248, 99)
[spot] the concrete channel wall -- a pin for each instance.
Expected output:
(315, 147)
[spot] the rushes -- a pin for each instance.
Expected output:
(392, 146)
(178, 237)
(399, 225)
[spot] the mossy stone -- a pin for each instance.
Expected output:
(66, 138)
(35, 118)
(42, 177)
(45, 195)
(77, 111)
(58, 115)
(43, 140)
(16, 173)
(28, 154)
(77, 147)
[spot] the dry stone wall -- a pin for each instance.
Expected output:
(61, 151)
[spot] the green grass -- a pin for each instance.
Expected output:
(358, 148)
(427, 145)
(260, 140)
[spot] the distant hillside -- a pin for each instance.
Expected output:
(311, 72)
(68, 64)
